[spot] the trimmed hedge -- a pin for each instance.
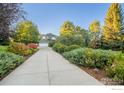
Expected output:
(8, 61)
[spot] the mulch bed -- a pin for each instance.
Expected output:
(98, 74)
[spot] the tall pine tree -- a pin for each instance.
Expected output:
(113, 23)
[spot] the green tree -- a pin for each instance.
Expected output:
(77, 28)
(84, 33)
(75, 39)
(27, 32)
(94, 33)
(67, 28)
(86, 36)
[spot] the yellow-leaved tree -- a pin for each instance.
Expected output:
(27, 32)
(113, 24)
(67, 28)
(95, 26)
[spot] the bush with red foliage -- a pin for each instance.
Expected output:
(33, 46)
(19, 48)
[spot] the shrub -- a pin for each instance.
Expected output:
(74, 56)
(60, 48)
(19, 48)
(3, 48)
(72, 47)
(116, 71)
(51, 43)
(110, 71)
(119, 72)
(32, 46)
(9, 61)
(91, 57)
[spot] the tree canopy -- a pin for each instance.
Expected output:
(27, 32)
(95, 26)
(9, 14)
(67, 28)
(113, 23)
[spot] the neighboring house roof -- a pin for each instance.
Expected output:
(49, 36)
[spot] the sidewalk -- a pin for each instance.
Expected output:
(47, 67)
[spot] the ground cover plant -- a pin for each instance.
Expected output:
(13, 55)
(8, 61)
(3, 48)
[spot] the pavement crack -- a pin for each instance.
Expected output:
(48, 69)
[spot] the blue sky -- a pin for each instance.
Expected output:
(49, 17)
